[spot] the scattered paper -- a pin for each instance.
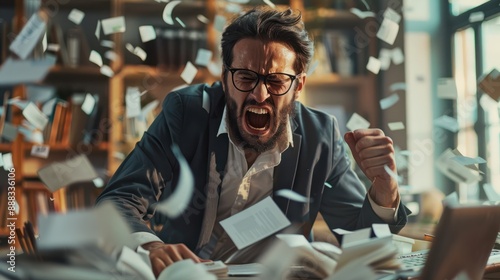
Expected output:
(131, 263)
(98, 30)
(381, 230)
(476, 16)
(129, 47)
(397, 56)
(463, 160)
(219, 23)
(41, 151)
(394, 126)
(203, 19)
(185, 269)
(373, 65)
(393, 174)
(111, 55)
(287, 193)
(388, 31)
(389, 101)
(233, 8)
(60, 174)
(140, 53)
(454, 170)
(397, 86)
(96, 58)
(133, 102)
(88, 104)
(447, 123)
(356, 236)
(25, 42)
(255, 223)
(167, 12)
(203, 57)
(447, 88)
(76, 16)
(9, 132)
(270, 4)
(113, 25)
(44, 42)
(14, 72)
(313, 67)
(451, 199)
(98, 182)
(357, 122)
(147, 33)
(108, 44)
(362, 14)
(490, 192)
(177, 202)
(385, 57)
(392, 15)
(107, 71)
(53, 47)
(7, 161)
(189, 73)
(33, 115)
(180, 22)
(214, 68)
(490, 84)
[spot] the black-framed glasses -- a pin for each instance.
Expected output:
(246, 80)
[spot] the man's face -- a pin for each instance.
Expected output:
(258, 119)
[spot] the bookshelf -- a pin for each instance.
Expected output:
(156, 77)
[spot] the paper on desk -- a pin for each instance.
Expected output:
(98, 30)
(7, 161)
(133, 102)
(14, 72)
(277, 260)
(185, 269)
(113, 25)
(203, 19)
(167, 12)
(381, 230)
(388, 31)
(147, 33)
(33, 115)
(490, 192)
(389, 101)
(96, 58)
(76, 16)
(9, 132)
(131, 263)
(177, 202)
(203, 57)
(41, 151)
(396, 126)
(454, 170)
(287, 193)
(362, 14)
(219, 23)
(392, 15)
(354, 271)
(65, 173)
(357, 122)
(101, 226)
(189, 72)
(255, 223)
(490, 84)
(447, 88)
(447, 123)
(397, 56)
(356, 236)
(373, 65)
(25, 42)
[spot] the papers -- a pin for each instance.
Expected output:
(133, 102)
(203, 19)
(25, 42)
(393, 174)
(392, 15)
(76, 16)
(389, 101)
(131, 263)
(181, 23)
(98, 30)
(35, 116)
(454, 170)
(373, 65)
(255, 223)
(476, 16)
(397, 86)
(7, 161)
(447, 88)
(189, 73)
(177, 202)
(397, 56)
(147, 33)
(185, 269)
(270, 4)
(15, 72)
(490, 84)
(9, 132)
(61, 174)
(394, 126)
(167, 12)
(249, 269)
(41, 151)
(113, 25)
(357, 122)
(491, 194)
(219, 23)
(388, 31)
(96, 58)
(203, 57)
(106, 71)
(467, 160)
(88, 104)
(286, 193)
(447, 123)
(362, 14)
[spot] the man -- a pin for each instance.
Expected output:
(246, 138)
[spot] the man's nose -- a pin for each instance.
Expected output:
(260, 92)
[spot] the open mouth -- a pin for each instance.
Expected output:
(258, 119)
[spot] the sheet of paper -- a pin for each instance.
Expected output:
(25, 42)
(107, 71)
(98, 30)
(147, 33)
(53, 47)
(362, 14)
(397, 56)
(388, 31)
(113, 25)
(393, 174)
(14, 72)
(220, 23)
(381, 230)
(203, 57)
(397, 86)
(356, 236)
(487, 103)
(9, 132)
(214, 68)
(446, 88)
(181, 23)
(447, 123)
(98, 182)
(270, 4)
(463, 160)
(186, 269)
(189, 73)
(140, 53)
(357, 122)
(248, 269)
(385, 57)
(31, 135)
(203, 19)
(108, 44)
(451, 199)
(373, 65)
(1, 160)
(7, 161)
(392, 15)
(233, 8)
(167, 12)
(287, 193)
(88, 104)
(76, 16)
(65, 173)
(476, 16)
(32, 114)
(490, 84)
(111, 55)
(177, 202)
(394, 126)
(255, 223)
(389, 101)
(96, 58)
(454, 170)
(41, 151)
(490, 192)
(133, 102)
(131, 263)
(44, 41)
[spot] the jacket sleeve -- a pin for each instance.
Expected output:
(148, 171)
(344, 202)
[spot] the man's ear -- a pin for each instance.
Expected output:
(301, 81)
(223, 77)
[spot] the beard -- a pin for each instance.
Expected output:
(253, 142)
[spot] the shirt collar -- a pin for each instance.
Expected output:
(223, 129)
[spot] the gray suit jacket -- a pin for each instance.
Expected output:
(316, 167)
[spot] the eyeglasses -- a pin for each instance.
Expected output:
(247, 80)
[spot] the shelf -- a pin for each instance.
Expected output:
(5, 147)
(77, 4)
(86, 71)
(330, 19)
(335, 80)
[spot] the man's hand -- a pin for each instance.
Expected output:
(372, 150)
(163, 255)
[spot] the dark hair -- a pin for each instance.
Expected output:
(269, 25)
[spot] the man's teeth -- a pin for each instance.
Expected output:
(259, 111)
(256, 128)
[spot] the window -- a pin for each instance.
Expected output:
(460, 6)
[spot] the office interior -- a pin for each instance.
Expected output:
(433, 88)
